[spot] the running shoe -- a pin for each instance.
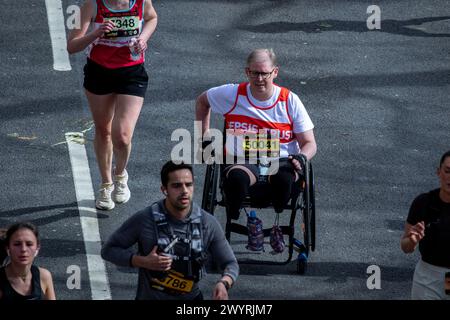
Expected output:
(121, 193)
(104, 201)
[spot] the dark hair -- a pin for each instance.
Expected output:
(6, 234)
(21, 225)
(169, 167)
(444, 156)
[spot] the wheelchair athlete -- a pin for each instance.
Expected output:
(259, 111)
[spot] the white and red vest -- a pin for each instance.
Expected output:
(272, 126)
(112, 51)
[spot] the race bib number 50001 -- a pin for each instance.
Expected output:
(126, 26)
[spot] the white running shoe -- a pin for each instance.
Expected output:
(104, 201)
(121, 193)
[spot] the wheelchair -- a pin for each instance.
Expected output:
(302, 199)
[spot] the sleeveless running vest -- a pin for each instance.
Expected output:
(8, 292)
(253, 131)
(186, 251)
(112, 50)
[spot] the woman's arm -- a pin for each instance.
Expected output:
(78, 39)
(47, 284)
(150, 22)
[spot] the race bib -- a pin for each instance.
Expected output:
(252, 145)
(175, 281)
(126, 26)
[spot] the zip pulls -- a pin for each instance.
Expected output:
(170, 245)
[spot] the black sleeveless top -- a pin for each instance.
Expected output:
(435, 246)
(8, 292)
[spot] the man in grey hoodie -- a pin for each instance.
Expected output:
(174, 237)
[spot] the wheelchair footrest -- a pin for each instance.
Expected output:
(241, 229)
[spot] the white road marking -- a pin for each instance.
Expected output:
(56, 26)
(98, 277)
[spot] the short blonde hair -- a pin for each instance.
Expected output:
(258, 55)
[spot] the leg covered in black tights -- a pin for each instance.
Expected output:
(236, 185)
(281, 187)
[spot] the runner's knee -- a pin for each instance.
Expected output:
(121, 140)
(103, 132)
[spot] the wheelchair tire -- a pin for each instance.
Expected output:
(313, 207)
(306, 213)
(210, 188)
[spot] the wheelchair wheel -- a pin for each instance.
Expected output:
(306, 213)
(313, 208)
(210, 188)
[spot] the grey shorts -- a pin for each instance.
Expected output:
(429, 282)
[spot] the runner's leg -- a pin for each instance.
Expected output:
(238, 180)
(127, 113)
(102, 109)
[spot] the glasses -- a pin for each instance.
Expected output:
(256, 74)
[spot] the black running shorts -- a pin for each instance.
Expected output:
(127, 80)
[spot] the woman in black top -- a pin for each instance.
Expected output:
(20, 279)
(428, 224)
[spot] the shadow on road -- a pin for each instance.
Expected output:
(70, 210)
(336, 272)
(401, 27)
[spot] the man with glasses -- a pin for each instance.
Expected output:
(272, 121)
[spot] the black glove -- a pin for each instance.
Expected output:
(300, 158)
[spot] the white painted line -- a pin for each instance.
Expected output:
(57, 29)
(98, 277)
(93, 210)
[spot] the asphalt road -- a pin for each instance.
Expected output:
(378, 99)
